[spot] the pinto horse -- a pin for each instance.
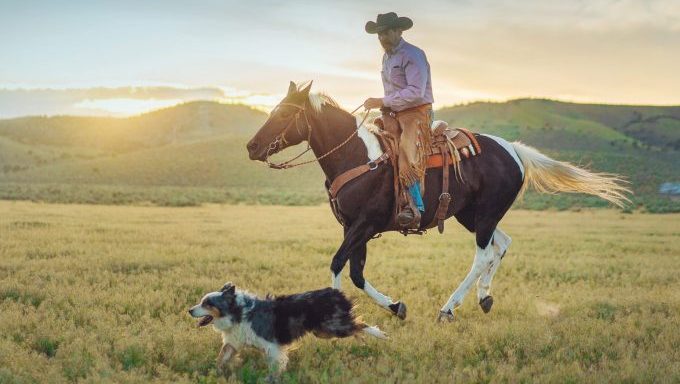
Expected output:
(491, 182)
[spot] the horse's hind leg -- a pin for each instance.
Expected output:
(483, 260)
(500, 243)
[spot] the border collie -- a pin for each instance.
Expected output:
(273, 323)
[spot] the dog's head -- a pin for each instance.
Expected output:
(218, 306)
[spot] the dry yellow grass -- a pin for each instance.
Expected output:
(99, 294)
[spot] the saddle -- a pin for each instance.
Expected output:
(449, 146)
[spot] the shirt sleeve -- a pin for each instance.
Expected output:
(413, 95)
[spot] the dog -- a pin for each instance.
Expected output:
(273, 323)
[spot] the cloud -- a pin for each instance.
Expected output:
(589, 15)
(124, 106)
(609, 50)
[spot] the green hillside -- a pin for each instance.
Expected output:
(196, 153)
(559, 125)
(186, 122)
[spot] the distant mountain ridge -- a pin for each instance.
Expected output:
(182, 123)
(202, 145)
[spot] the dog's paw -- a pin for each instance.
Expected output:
(223, 369)
(273, 378)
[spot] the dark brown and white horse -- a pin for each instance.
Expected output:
(492, 182)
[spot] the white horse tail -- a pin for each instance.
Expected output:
(546, 175)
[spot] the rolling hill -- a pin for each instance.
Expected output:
(195, 152)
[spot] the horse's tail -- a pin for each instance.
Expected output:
(551, 176)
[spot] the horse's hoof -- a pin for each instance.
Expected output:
(486, 304)
(445, 316)
(399, 309)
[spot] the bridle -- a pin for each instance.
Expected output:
(281, 139)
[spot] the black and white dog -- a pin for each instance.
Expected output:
(273, 323)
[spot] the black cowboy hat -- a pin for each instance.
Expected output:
(387, 21)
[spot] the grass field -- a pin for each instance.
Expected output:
(99, 294)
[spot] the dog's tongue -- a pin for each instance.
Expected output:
(205, 320)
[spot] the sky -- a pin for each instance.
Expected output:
(126, 57)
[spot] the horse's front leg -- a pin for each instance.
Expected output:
(353, 248)
(356, 264)
(339, 260)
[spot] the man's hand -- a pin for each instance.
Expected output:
(373, 102)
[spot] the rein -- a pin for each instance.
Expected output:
(281, 139)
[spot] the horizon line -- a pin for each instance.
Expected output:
(266, 109)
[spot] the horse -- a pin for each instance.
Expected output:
(491, 183)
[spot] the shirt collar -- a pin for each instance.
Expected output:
(399, 46)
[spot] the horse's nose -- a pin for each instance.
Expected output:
(252, 147)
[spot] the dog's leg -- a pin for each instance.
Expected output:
(278, 360)
(226, 353)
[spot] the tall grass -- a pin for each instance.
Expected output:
(100, 293)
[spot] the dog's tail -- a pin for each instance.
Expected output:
(373, 331)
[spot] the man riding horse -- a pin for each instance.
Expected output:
(406, 107)
(485, 186)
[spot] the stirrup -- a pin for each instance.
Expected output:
(415, 217)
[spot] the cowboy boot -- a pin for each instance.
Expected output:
(409, 215)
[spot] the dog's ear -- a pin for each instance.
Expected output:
(228, 289)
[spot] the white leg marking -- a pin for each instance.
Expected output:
(501, 242)
(382, 300)
(483, 259)
(335, 280)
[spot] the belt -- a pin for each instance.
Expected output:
(393, 113)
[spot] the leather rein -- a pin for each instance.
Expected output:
(281, 139)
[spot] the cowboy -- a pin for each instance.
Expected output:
(408, 99)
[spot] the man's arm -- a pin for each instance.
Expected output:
(373, 102)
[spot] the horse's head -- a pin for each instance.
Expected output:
(286, 126)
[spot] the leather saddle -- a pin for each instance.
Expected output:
(449, 147)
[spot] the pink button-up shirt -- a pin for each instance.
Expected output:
(406, 77)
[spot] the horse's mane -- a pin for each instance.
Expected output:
(319, 99)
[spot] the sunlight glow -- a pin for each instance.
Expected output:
(126, 107)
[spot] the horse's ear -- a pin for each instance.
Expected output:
(305, 91)
(292, 88)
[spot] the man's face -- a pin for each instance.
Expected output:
(389, 38)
